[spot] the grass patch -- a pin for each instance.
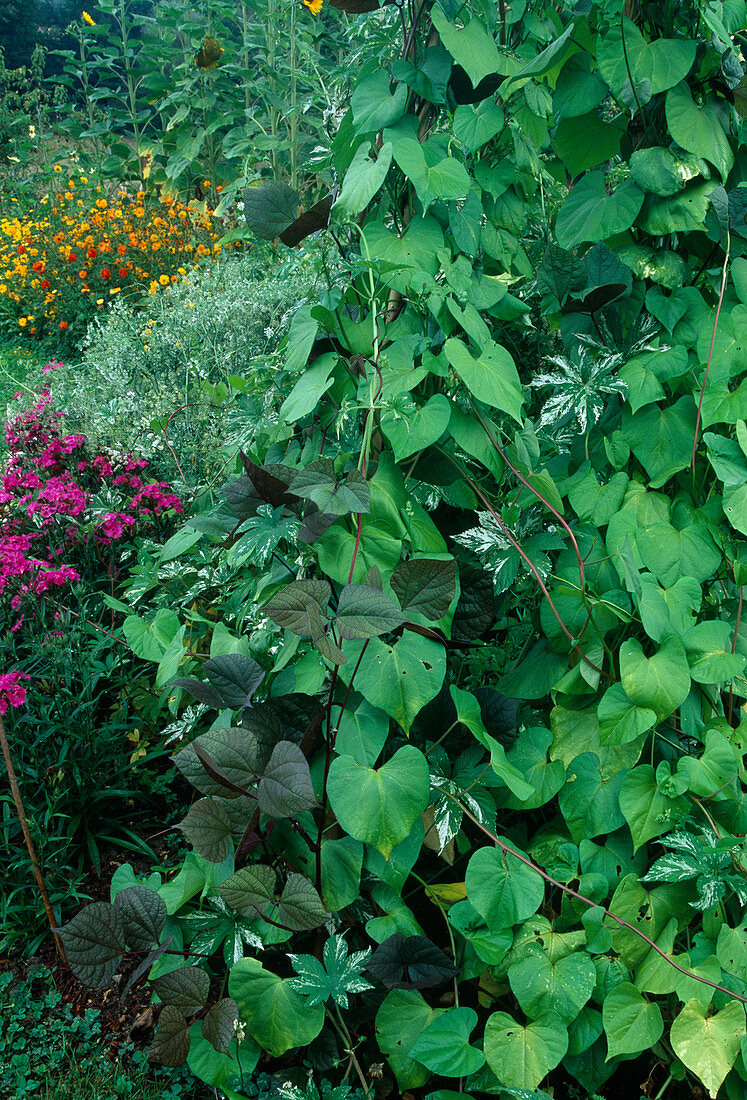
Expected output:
(18, 362)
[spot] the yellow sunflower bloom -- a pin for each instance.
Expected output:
(314, 6)
(209, 54)
(87, 19)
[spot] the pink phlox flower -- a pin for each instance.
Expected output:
(102, 466)
(132, 464)
(12, 692)
(114, 525)
(56, 577)
(61, 496)
(152, 498)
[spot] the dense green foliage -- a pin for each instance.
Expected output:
(164, 379)
(456, 661)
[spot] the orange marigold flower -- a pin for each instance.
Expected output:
(122, 272)
(63, 325)
(38, 266)
(21, 250)
(58, 238)
(82, 274)
(92, 253)
(45, 284)
(105, 273)
(121, 249)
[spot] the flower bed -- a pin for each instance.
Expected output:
(65, 510)
(82, 248)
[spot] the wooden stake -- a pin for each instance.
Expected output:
(16, 792)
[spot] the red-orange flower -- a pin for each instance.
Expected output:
(122, 272)
(38, 266)
(63, 325)
(21, 250)
(105, 273)
(44, 284)
(92, 253)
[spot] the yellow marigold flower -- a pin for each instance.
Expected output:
(84, 179)
(23, 321)
(58, 168)
(87, 19)
(164, 280)
(314, 6)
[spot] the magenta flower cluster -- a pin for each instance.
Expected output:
(65, 511)
(12, 692)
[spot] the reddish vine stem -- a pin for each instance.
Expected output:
(710, 350)
(592, 904)
(101, 630)
(21, 812)
(561, 520)
(208, 404)
(350, 688)
(525, 557)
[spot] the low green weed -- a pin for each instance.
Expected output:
(48, 1051)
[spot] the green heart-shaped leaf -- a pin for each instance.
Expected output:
(521, 1056)
(380, 806)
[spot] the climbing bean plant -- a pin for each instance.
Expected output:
(471, 815)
